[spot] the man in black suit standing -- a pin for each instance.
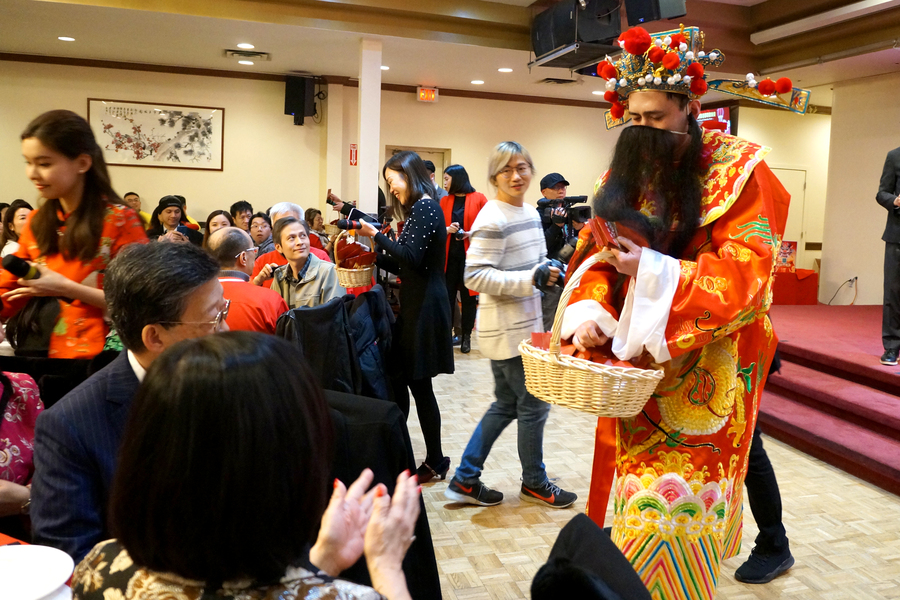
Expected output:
(157, 295)
(889, 197)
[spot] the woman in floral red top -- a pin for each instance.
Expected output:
(20, 404)
(75, 234)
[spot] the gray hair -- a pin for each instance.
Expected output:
(286, 207)
(501, 156)
(226, 243)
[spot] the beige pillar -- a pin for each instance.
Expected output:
(369, 137)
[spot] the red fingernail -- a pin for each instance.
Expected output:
(419, 489)
(379, 492)
(415, 478)
(336, 482)
(406, 472)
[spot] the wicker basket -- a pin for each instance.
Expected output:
(351, 278)
(332, 230)
(601, 390)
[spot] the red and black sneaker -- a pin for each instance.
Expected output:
(548, 494)
(475, 493)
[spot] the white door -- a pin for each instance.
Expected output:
(794, 181)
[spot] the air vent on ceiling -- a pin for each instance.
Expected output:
(247, 55)
(556, 81)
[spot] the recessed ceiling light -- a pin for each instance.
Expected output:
(245, 62)
(63, 38)
(505, 70)
(597, 93)
(477, 82)
(246, 46)
(385, 68)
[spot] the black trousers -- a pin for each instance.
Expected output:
(456, 283)
(890, 321)
(428, 411)
(582, 549)
(765, 499)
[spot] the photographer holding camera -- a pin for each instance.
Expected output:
(562, 221)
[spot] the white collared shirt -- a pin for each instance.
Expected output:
(139, 371)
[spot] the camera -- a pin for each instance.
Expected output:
(460, 235)
(546, 207)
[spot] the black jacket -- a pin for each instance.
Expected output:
(195, 237)
(888, 190)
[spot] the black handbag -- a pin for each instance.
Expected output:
(30, 329)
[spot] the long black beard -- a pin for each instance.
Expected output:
(645, 158)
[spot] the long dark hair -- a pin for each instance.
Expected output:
(459, 180)
(645, 159)
(225, 462)
(8, 234)
(418, 179)
(209, 218)
(69, 134)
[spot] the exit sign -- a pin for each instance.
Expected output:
(425, 94)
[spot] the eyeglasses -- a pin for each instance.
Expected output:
(217, 323)
(522, 170)
(259, 225)
(253, 249)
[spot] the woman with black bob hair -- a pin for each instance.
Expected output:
(461, 205)
(222, 486)
(422, 348)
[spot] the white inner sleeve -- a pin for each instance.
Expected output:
(648, 303)
(587, 310)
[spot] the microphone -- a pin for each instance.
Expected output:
(342, 224)
(20, 268)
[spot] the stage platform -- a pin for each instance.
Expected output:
(833, 398)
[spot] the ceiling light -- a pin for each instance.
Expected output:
(63, 38)
(385, 68)
(245, 62)
(246, 46)
(505, 70)
(477, 82)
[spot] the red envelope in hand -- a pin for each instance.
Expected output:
(541, 339)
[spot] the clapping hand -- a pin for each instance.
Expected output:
(342, 534)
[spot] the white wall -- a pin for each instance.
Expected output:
(569, 140)
(267, 159)
(865, 125)
(797, 142)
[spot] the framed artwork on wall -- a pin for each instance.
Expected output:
(139, 134)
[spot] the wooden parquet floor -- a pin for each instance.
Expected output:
(844, 533)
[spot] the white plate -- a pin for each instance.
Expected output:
(33, 572)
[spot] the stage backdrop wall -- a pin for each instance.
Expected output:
(266, 158)
(854, 221)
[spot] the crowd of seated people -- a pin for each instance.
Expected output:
(144, 472)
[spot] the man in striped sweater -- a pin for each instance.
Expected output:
(507, 246)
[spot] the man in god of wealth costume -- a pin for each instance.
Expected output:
(693, 301)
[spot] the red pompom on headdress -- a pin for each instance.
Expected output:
(606, 70)
(671, 61)
(677, 40)
(694, 70)
(656, 54)
(636, 40)
(766, 87)
(698, 86)
(617, 111)
(611, 97)
(784, 85)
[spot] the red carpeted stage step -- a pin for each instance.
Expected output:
(833, 399)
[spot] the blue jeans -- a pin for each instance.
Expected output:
(513, 402)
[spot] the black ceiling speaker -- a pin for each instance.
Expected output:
(645, 11)
(576, 22)
(300, 98)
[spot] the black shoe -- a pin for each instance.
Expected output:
(889, 357)
(763, 568)
(476, 493)
(466, 345)
(548, 494)
(456, 340)
(425, 473)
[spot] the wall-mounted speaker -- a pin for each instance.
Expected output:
(300, 98)
(567, 22)
(645, 11)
